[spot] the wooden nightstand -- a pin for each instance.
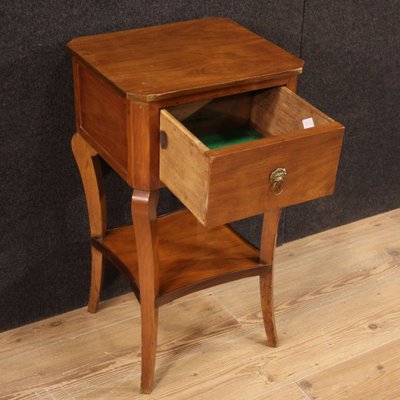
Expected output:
(146, 100)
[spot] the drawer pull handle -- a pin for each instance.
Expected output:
(277, 180)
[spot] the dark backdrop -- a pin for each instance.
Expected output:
(351, 52)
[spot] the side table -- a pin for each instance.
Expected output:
(147, 101)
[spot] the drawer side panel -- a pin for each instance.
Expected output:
(184, 166)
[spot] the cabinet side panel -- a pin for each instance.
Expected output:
(102, 118)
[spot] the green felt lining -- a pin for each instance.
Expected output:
(229, 138)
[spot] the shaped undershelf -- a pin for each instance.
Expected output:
(191, 257)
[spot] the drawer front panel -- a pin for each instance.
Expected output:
(239, 182)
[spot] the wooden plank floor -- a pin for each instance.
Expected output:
(338, 317)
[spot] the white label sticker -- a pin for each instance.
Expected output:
(308, 123)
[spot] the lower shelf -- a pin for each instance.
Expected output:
(191, 256)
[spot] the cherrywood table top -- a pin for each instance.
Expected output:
(188, 57)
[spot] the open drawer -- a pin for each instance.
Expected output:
(237, 156)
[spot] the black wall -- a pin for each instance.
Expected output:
(351, 50)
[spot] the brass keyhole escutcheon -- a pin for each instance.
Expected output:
(277, 180)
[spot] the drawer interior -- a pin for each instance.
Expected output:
(247, 117)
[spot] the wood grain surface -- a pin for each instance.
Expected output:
(337, 309)
(165, 61)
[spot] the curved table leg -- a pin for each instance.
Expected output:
(268, 243)
(88, 162)
(144, 215)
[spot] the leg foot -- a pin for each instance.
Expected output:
(268, 243)
(96, 280)
(268, 308)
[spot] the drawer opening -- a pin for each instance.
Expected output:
(247, 117)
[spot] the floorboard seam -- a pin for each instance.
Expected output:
(303, 391)
(370, 350)
(57, 340)
(226, 309)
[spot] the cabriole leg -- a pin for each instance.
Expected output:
(88, 162)
(144, 215)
